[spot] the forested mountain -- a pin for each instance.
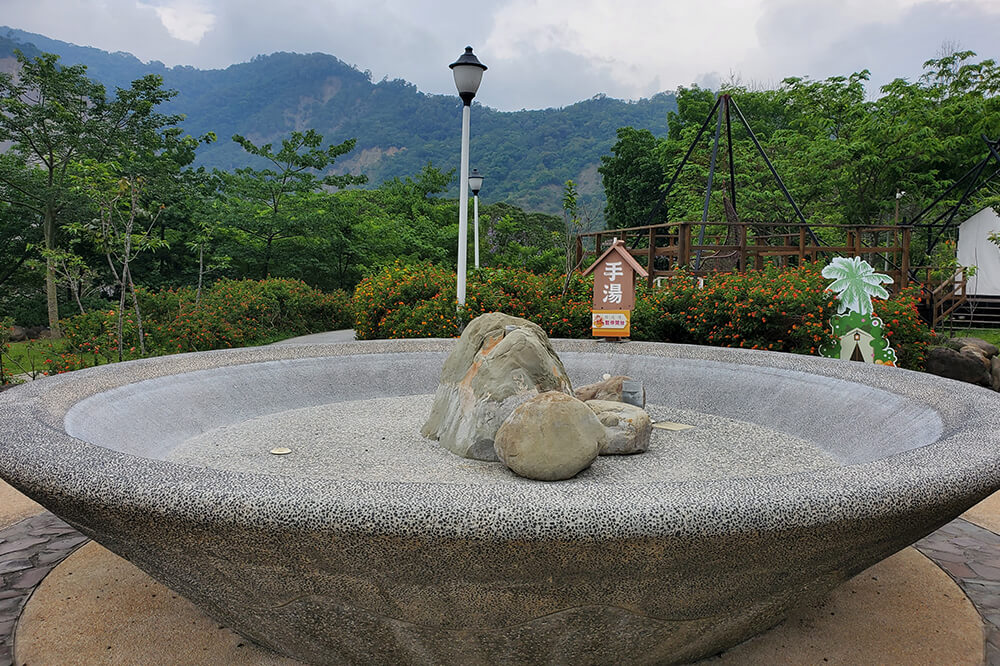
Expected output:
(526, 155)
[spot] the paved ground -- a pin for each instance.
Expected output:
(29, 550)
(345, 335)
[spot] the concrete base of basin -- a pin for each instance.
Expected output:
(96, 608)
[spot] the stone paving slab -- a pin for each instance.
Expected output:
(970, 554)
(29, 550)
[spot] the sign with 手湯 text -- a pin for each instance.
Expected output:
(614, 290)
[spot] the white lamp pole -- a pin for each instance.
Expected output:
(468, 73)
(475, 184)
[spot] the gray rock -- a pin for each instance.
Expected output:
(995, 372)
(989, 350)
(965, 367)
(35, 332)
(627, 428)
(492, 370)
(17, 334)
(551, 437)
(976, 354)
(617, 389)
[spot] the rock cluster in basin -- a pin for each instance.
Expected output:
(627, 428)
(618, 389)
(500, 362)
(505, 395)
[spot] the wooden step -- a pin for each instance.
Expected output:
(978, 311)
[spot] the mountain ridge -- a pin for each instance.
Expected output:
(526, 155)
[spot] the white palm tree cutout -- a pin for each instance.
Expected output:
(855, 282)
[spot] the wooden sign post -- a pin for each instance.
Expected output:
(614, 291)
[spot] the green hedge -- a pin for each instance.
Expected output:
(780, 310)
(229, 314)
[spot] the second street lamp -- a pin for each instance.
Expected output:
(475, 184)
(468, 73)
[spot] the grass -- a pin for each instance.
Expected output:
(991, 335)
(29, 357)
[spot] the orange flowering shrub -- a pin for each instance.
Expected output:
(419, 301)
(777, 309)
(908, 334)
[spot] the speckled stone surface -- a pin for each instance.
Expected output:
(423, 571)
(335, 441)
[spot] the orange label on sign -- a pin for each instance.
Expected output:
(610, 323)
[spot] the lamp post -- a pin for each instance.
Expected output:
(468, 73)
(475, 184)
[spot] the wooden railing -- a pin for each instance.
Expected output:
(946, 297)
(667, 249)
(664, 249)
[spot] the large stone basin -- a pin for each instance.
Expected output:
(401, 553)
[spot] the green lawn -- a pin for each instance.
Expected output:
(29, 357)
(991, 335)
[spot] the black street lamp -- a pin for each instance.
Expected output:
(468, 73)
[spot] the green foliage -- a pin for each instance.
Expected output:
(5, 324)
(273, 204)
(230, 314)
(944, 260)
(908, 334)
(512, 238)
(56, 118)
(843, 152)
(632, 177)
(400, 300)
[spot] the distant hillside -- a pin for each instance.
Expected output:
(525, 155)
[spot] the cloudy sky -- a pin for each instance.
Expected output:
(541, 53)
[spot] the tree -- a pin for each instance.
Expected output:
(632, 178)
(50, 114)
(402, 219)
(842, 153)
(571, 218)
(55, 116)
(122, 230)
(17, 237)
(263, 202)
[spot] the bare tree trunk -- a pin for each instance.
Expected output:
(75, 288)
(267, 259)
(201, 272)
(121, 318)
(51, 292)
(135, 305)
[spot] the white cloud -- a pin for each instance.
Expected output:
(187, 20)
(540, 52)
(639, 43)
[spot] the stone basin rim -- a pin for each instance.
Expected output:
(46, 463)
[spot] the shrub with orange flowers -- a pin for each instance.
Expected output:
(773, 309)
